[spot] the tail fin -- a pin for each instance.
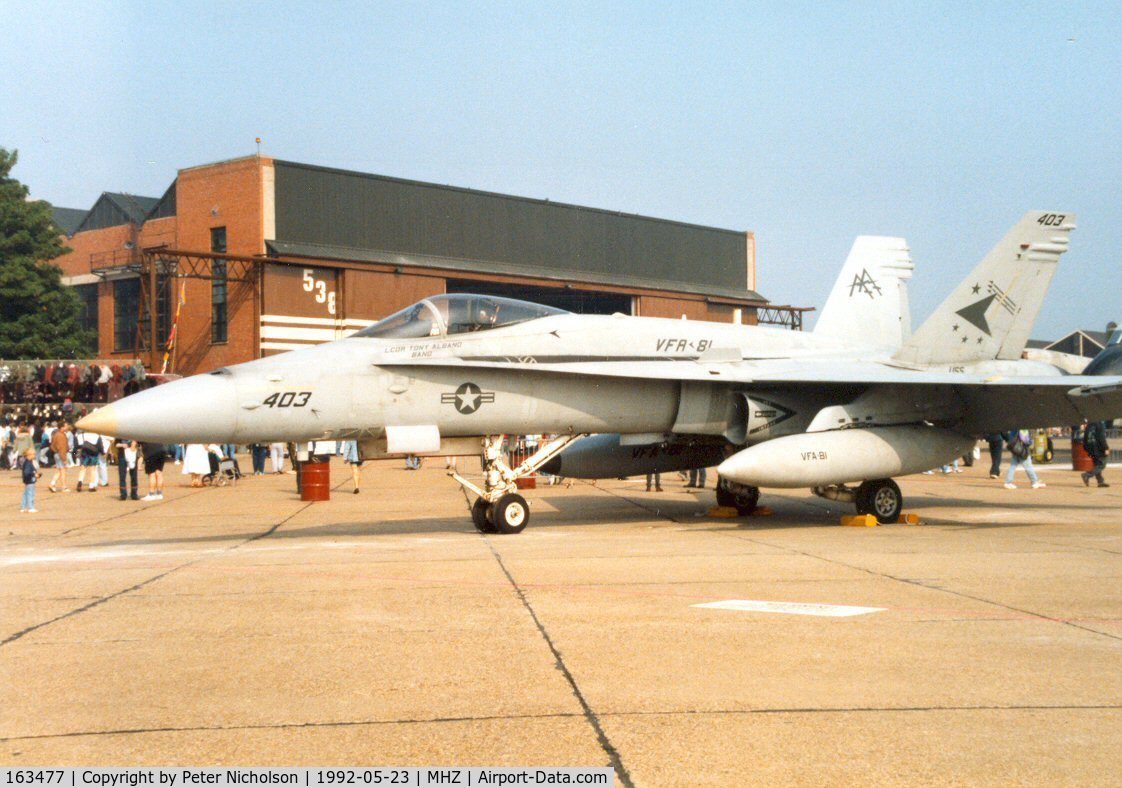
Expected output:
(989, 316)
(869, 301)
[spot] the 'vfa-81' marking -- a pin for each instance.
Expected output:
(682, 344)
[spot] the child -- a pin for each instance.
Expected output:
(30, 476)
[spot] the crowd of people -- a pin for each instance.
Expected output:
(65, 382)
(44, 440)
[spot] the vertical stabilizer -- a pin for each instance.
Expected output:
(989, 316)
(869, 302)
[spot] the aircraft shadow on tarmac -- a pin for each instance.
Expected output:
(582, 511)
(572, 511)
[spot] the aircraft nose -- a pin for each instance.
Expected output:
(198, 409)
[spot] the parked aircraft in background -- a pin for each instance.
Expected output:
(453, 373)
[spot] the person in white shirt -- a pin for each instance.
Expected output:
(103, 461)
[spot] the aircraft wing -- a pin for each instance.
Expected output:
(989, 403)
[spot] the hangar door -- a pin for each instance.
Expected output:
(300, 307)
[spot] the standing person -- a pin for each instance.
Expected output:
(697, 477)
(196, 463)
(1020, 446)
(22, 439)
(89, 449)
(657, 481)
(997, 444)
(1094, 441)
(155, 455)
(103, 461)
(352, 458)
(126, 467)
(258, 451)
(30, 476)
(72, 459)
(276, 457)
(5, 440)
(60, 445)
(412, 462)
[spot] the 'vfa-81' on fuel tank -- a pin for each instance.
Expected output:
(854, 405)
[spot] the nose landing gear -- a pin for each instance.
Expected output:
(499, 508)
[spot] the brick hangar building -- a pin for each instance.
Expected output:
(269, 255)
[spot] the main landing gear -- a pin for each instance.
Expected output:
(878, 497)
(499, 508)
(741, 497)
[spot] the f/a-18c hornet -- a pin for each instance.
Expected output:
(841, 410)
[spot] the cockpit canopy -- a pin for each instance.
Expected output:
(456, 313)
(1115, 338)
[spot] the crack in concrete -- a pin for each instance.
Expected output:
(590, 716)
(109, 597)
(563, 716)
(290, 725)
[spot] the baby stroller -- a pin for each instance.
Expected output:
(222, 472)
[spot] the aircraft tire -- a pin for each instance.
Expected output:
(744, 503)
(510, 514)
(881, 498)
(479, 517)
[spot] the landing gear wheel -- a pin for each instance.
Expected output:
(1049, 453)
(744, 501)
(510, 514)
(881, 498)
(479, 517)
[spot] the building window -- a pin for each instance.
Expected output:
(218, 288)
(126, 313)
(88, 320)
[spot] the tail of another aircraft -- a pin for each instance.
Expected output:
(869, 302)
(989, 316)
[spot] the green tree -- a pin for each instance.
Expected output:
(40, 317)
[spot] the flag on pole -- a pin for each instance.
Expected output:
(174, 327)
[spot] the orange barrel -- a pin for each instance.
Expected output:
(315, 481)
(1080, 459)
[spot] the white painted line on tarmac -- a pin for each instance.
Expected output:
(18, 557)
(794, 608)
(85, 556)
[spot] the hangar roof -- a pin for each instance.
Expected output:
(67, 219)
(115, 208)
(331, 213)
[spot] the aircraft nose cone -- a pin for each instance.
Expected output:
(199, 409)
(103, 421)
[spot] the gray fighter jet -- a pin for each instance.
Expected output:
(841, 412)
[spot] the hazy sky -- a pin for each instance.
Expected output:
(806, 123)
